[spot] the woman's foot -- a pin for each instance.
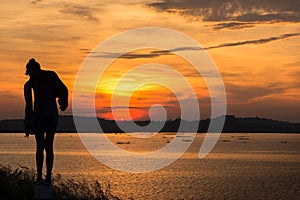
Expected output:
(48, 179)
(39, 180)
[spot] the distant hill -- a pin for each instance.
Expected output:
(254, 125)
(232, 125)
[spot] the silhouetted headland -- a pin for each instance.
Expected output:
(232, 125)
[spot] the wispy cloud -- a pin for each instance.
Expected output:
(40, 32)
(151, 54)
(232, 25)
(79, 10)
(157, 53)
(36, 1)
(104, 110)
(241, 93)
(259, 41)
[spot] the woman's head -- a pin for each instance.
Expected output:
(32, 67)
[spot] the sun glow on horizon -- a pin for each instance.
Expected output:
(121, 78)
(257, 54)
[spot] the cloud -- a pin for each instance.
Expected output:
(7, 94)
(232, 25)
(40, 32)
(243, 93)
(84, 49)
(294, 74)
(233, 11)
(259, 41)
(104, 110)
(157, 53)
(36, 1)
(79, 10)
(151, 54)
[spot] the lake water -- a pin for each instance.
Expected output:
(241, 166)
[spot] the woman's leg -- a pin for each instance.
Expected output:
(49, 154)
(39, 155)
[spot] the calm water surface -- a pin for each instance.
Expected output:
(241, 166)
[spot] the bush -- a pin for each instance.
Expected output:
(19, 184)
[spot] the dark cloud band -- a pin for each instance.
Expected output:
(237, 12)
(157, 53)
(259, 41)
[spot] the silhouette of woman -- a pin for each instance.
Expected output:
(42, 116)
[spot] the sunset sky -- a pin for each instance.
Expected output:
(255, 45)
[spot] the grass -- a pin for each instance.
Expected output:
(19, 184)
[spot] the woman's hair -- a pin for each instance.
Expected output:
(32, 66)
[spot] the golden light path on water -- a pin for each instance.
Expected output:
(240, 166)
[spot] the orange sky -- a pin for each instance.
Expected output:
(255, 50)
